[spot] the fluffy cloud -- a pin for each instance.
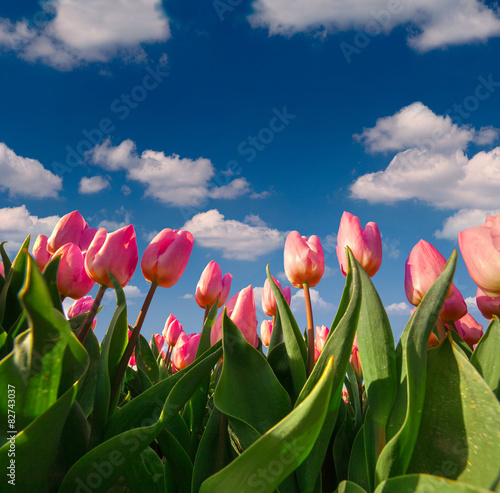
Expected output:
(94, 184)
(434, 24)
(172, 180)
(67, 33)
(16, 223)
(318, 303)
(463, 219)
(398, 309)
(235, 239)
(25, 176)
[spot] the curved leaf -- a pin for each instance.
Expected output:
(422, 483)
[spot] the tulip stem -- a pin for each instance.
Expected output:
(310, 329)
(134, 337)
(92, 313)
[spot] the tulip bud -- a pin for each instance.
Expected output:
(166, 257)
(211, 285)
(487, 306)
(72, 280)
(365, 244)
(116, 252)
(266, 329)
(356, 360)
(304, 260)
(184, 352)
(469, 329)
(42, 256)
(424, 265)
(321, 335)
(345, 396)
(454, 308)
(480, 247)
(80, 306)
(268, 299)
(226, 287)
(172, 330)
(2, 273)
(69, 229)
(132, 361)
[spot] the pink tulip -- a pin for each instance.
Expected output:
(72, 280)
(304, 260)
(184, 352)
(241, 310)
(422, 268)
(86, 238)
(266, 329)
(212, 285)
(80, 306)
(172, 330)
(480, 247)
(345, 396)
(268, 299)
(166, 257)
(469, 329)
(356, 363)
(321, 335)
(487, 306)
(454, 308)
(2, 273)
(132, 361)
(69, 229)
(116, 252)
(365, 244)
(42, 256)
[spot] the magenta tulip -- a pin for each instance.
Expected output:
(422, 268)
(356, 363)
(212, 285)
(487, 306)
(469, 329)
(69, 229)
(166, 257)
(80, 306)
(116, 252)
(365, 244)
(268, 299)
(86, 238)
(480, 247)
(241, 310)
(226, 287)
(184, 352)
(42, 256)
(454, 308)
(266, 329)
(304, 260)
(2, 273)
(172, 330)
(72, 280)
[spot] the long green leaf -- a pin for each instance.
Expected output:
(423, 483)
(349, 487)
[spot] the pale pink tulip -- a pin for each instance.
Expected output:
(365, 244)
(172, 330)
(454, 308)
(166, 257)
(184, 352)
(42, 256)
(304, 260)
(116, 252)
(266, 329)
(72, 280)
(480, 247)
(321, 335)
(487, 306)
(226, 287)
(469, 329)
(268, 299)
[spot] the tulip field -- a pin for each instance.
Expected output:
(235, 408)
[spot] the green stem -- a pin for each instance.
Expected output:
(132, 342)
(310, 330)
(92, 313)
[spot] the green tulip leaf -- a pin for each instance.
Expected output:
(423, 483)
(349, 487)
(358, 472)
(50, 276)
(145, 358)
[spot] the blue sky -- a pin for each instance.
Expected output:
(241, 121)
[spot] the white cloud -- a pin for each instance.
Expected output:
(71, 32)
(433, 24)
(472, 305)
(26, 177)
(318, 303)
(390, 247)
(130, 291)
(16, 223)
(398, 309)
(281, 276)
(235, 239)
(463, 219)
(254, 220)
(172, 180)
(187, 296)
(94, 184)
(257, 294)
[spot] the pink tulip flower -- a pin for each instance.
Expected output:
(268, 299)
(166, 257)
(212, 285)
(454, 308)
(71, 228)
(241, 310)
(266, 329)
(304, 260)
(365, 244)
(42, 256)
(172, 330)
(72, 280)
(80, 306)
(2, 272)
(226, 287)
(469, 329)
(487, 306)
(480, 247)
(356, 363)
(184, 352)
(321, 335)
(422, 268)
(116, 252)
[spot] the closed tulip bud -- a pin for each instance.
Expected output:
(184, 352)
(2, 272)
(321, 335)
(226, 287)
(480, 247)
(72, 280)
(116, 252)
(365, 244)
(268, 299)
(356, 364)
(81, 306)
(345, 396)
(86, 238)
(469, 329)
(304, 260)
(487, 306)
(266, 329)
(42, 256)
(454, 308)
(132, 361)
(69, 229)
(166, 257)
(241, 310)
(422, 268)
(172, 330)
(212, 286)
